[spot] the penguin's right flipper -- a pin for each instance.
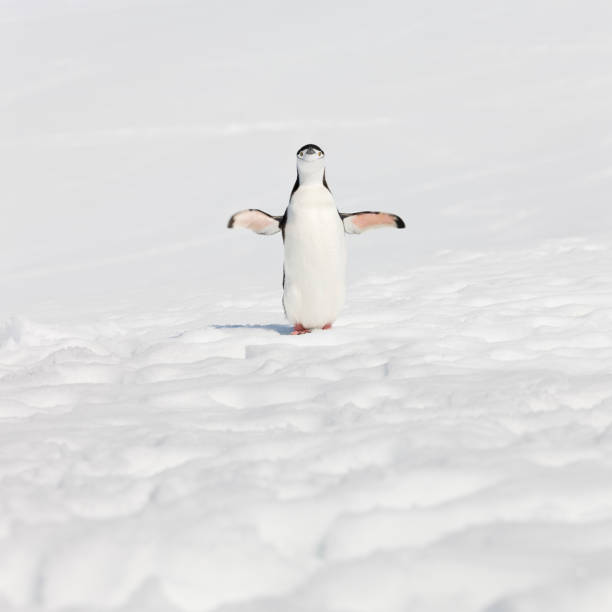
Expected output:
(256, 220)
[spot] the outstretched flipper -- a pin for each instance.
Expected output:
(256, 220)
(359, 222)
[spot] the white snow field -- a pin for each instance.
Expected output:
(167, 446)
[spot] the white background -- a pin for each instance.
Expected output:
(165, 445)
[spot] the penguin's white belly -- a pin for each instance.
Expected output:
(315, 263)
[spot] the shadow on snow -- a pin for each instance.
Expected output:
(283, 330)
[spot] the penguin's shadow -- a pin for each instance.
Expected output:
(283, 330)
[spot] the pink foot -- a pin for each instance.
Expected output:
(299, 329)
(327, 326)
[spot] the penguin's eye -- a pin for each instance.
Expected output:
(320, 153)
(301, 154)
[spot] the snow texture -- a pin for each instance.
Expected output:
(166, 445)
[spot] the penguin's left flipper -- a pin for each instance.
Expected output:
(256, 220)
(359, 222)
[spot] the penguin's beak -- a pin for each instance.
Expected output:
(310, 151)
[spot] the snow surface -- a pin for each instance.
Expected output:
(165, 445)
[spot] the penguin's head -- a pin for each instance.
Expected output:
(309, 153)
(310, 160)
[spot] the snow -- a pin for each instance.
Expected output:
(166, 445)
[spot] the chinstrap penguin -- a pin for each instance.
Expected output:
(313, 229)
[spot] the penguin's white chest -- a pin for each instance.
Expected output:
(315, 258)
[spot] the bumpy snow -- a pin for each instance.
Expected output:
(446, 447)
(166, 445)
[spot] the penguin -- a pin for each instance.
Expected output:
(314, 267)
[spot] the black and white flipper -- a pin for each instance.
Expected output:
(359, 222)
(256, 220)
